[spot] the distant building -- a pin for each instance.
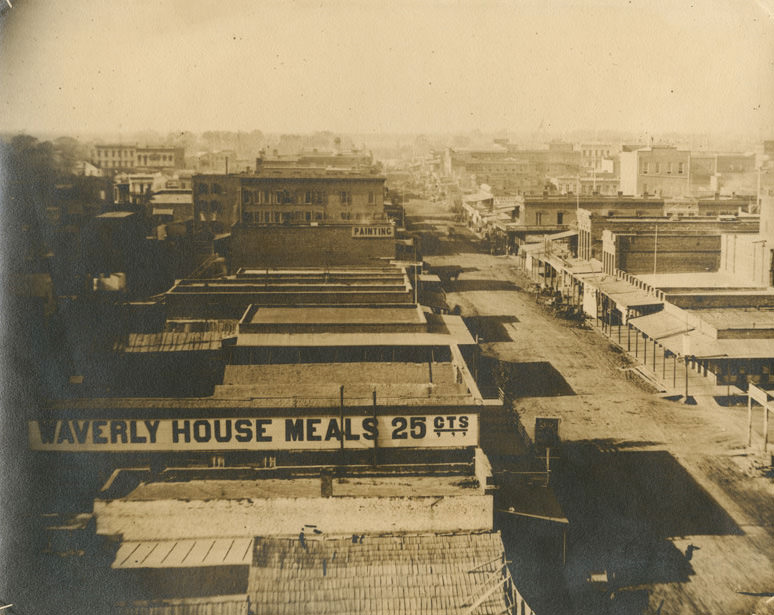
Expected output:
(86, 169)
(594, 155)
(226, 161)
(118, 157)
(660, 171)
(134, 188)
(171, 205)
(115, 157)
(605, 183)
(723, 173)
(510, 170)
(560, 211)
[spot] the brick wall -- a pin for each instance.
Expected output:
(306, 246)
(672, 254)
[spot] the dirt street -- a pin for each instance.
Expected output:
(662, 496)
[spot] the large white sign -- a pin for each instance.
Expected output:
(245, 434)
(373, 232)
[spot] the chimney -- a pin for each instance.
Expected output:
(326, 483)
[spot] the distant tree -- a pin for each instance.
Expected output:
(67, 152)
(27, 186)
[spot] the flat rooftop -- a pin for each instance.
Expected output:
(382, 486)
(441, 330)
(701, 280)
(337, 315)
(392, 381)
(392, 372)
(737, 318)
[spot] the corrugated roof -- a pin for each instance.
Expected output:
(168, 341)
(184, 553)
(418, 574)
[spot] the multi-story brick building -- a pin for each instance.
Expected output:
(128, 157)
(660, 170)
(288, 196)
(555, 211)
(595, 155)
(510, 170)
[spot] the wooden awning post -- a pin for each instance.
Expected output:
(749, 419)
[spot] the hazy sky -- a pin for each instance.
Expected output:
(391, 66)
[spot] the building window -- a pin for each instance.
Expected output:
(345, 197)
(680, 168)
(658, 168)
(307, 197)
(669, 168)
(645, 168)
(560, 218)
(371, 198)
(202, 188)
(538, 218)
(644, 188)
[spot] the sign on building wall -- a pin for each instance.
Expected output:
(373, 232)
(258, 434)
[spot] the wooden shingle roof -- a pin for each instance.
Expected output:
(421, 574)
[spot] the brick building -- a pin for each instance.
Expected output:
(303, 245)
(660, 170)
(558, 210)
(592, 225)
(128, 157)
(510, 170)
(288, 196)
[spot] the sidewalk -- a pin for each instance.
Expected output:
(669, 375)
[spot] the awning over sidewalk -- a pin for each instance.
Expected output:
(562, 235)
(660, 325)
(681, 339)
(184, 553)
(625, 295)
(702, 346)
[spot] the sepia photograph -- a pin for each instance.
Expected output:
(354, 307)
